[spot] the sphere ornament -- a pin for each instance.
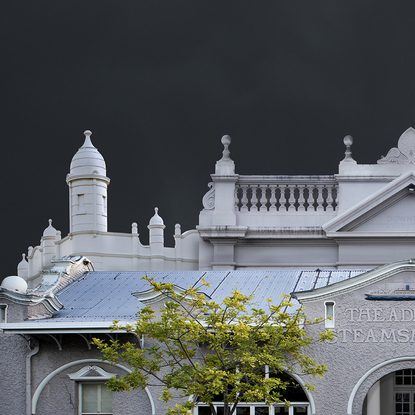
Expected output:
(15, 283)
(348, 140)
(226, 140)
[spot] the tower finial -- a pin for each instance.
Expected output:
(88, 142)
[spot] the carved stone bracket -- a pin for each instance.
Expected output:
(404, 153)
(209, 198)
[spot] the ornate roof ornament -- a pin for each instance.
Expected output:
(225, 166)
(348, 141)
(226, 141)
(404, 153)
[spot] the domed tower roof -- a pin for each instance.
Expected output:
(88, 160)
(156, 219)
(50, 230)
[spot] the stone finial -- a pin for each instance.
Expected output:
(225, 166)
(348, 141)
(134, 228)
(226, 141)
(177, 229)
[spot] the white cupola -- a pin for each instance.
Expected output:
(156, 227)
(88, 184)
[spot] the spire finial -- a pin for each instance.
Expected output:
(50, 222)
(88, 142)
(348, 141)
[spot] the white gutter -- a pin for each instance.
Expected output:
(60, 327)
(29, 375)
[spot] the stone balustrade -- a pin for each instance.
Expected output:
(286, 194)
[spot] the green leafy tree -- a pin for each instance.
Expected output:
(203, 349)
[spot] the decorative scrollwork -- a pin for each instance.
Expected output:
(209, 198)
(404, 153)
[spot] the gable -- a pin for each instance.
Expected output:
(394, 215)
(396, 279)
(390, 209)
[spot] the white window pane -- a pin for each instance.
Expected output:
(96, 399)
(89, 398)
(106, 400)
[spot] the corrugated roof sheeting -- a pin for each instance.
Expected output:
(263, 284)
(214, 279)
(106, 296)
(306, 281)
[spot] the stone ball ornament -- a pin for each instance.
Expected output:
(348, 140)
(15, 283)
(226, 140)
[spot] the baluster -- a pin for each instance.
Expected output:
(237, 198)
(320, 199)
(257, 193)
(335, 196)
(279, 194)
(312, 198)
(273, 199)
(263, 201)
(329, 199)
(291, 201)
(301, 199)
(244, 198)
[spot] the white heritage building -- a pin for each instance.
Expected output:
(341, 244)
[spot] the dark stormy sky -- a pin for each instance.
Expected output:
(159, 83)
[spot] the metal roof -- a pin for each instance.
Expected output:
(97, 297)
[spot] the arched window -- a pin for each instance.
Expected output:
(294, 394)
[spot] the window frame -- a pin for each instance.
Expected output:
(80, 409)
(329, 311)
(253, 405)
(3, 313)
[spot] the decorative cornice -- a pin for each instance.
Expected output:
(73, 177)
(222, 231)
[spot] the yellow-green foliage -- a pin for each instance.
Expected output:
(203, 348)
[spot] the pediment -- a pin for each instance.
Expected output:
(394, 281)
(91, 373)
(389, 210)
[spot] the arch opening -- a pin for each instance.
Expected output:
(392, 394)
(300, 399)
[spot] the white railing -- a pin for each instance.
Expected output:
(286, 194)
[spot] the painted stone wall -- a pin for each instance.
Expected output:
(374, 338)
(13, 350)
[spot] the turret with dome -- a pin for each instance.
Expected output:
(88, 230)
(88, 184)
